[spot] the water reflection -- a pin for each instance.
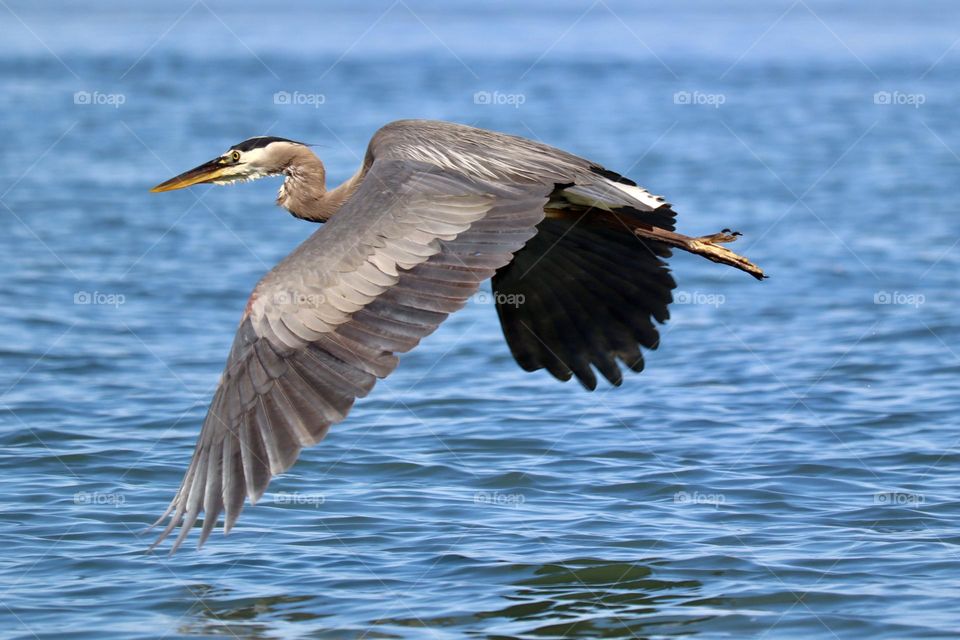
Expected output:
(220, 612)
(579, 598)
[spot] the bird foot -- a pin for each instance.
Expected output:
(707, 246)
(710, 247)
(725, 236)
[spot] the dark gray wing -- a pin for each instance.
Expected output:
(582, 294)
(591, 292)
(409, 247)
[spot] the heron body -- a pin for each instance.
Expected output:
(435, 209)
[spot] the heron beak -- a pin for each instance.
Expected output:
(207, 172)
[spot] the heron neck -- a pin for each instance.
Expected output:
(304, 187)
(333, 200)
(304, 193)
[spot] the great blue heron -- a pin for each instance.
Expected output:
(436, 209)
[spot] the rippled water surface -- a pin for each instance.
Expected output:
(787, 465)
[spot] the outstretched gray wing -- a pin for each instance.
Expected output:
(591, 292)
(409, 247)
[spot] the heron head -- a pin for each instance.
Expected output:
(248, 160)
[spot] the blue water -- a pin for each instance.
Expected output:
(786, 467)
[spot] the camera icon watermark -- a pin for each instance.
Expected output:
(95, 98)
(498, 499)
(715, 500)
(696, 297)
(497, 98)
(299, 499)
(99, 298)
(514, 300)
(100, 499)
(714, 100)
(899, 298)
(298, 298)
(314, 100)
(899, 98)
(897, 498)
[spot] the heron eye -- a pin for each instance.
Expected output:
(235, 156)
